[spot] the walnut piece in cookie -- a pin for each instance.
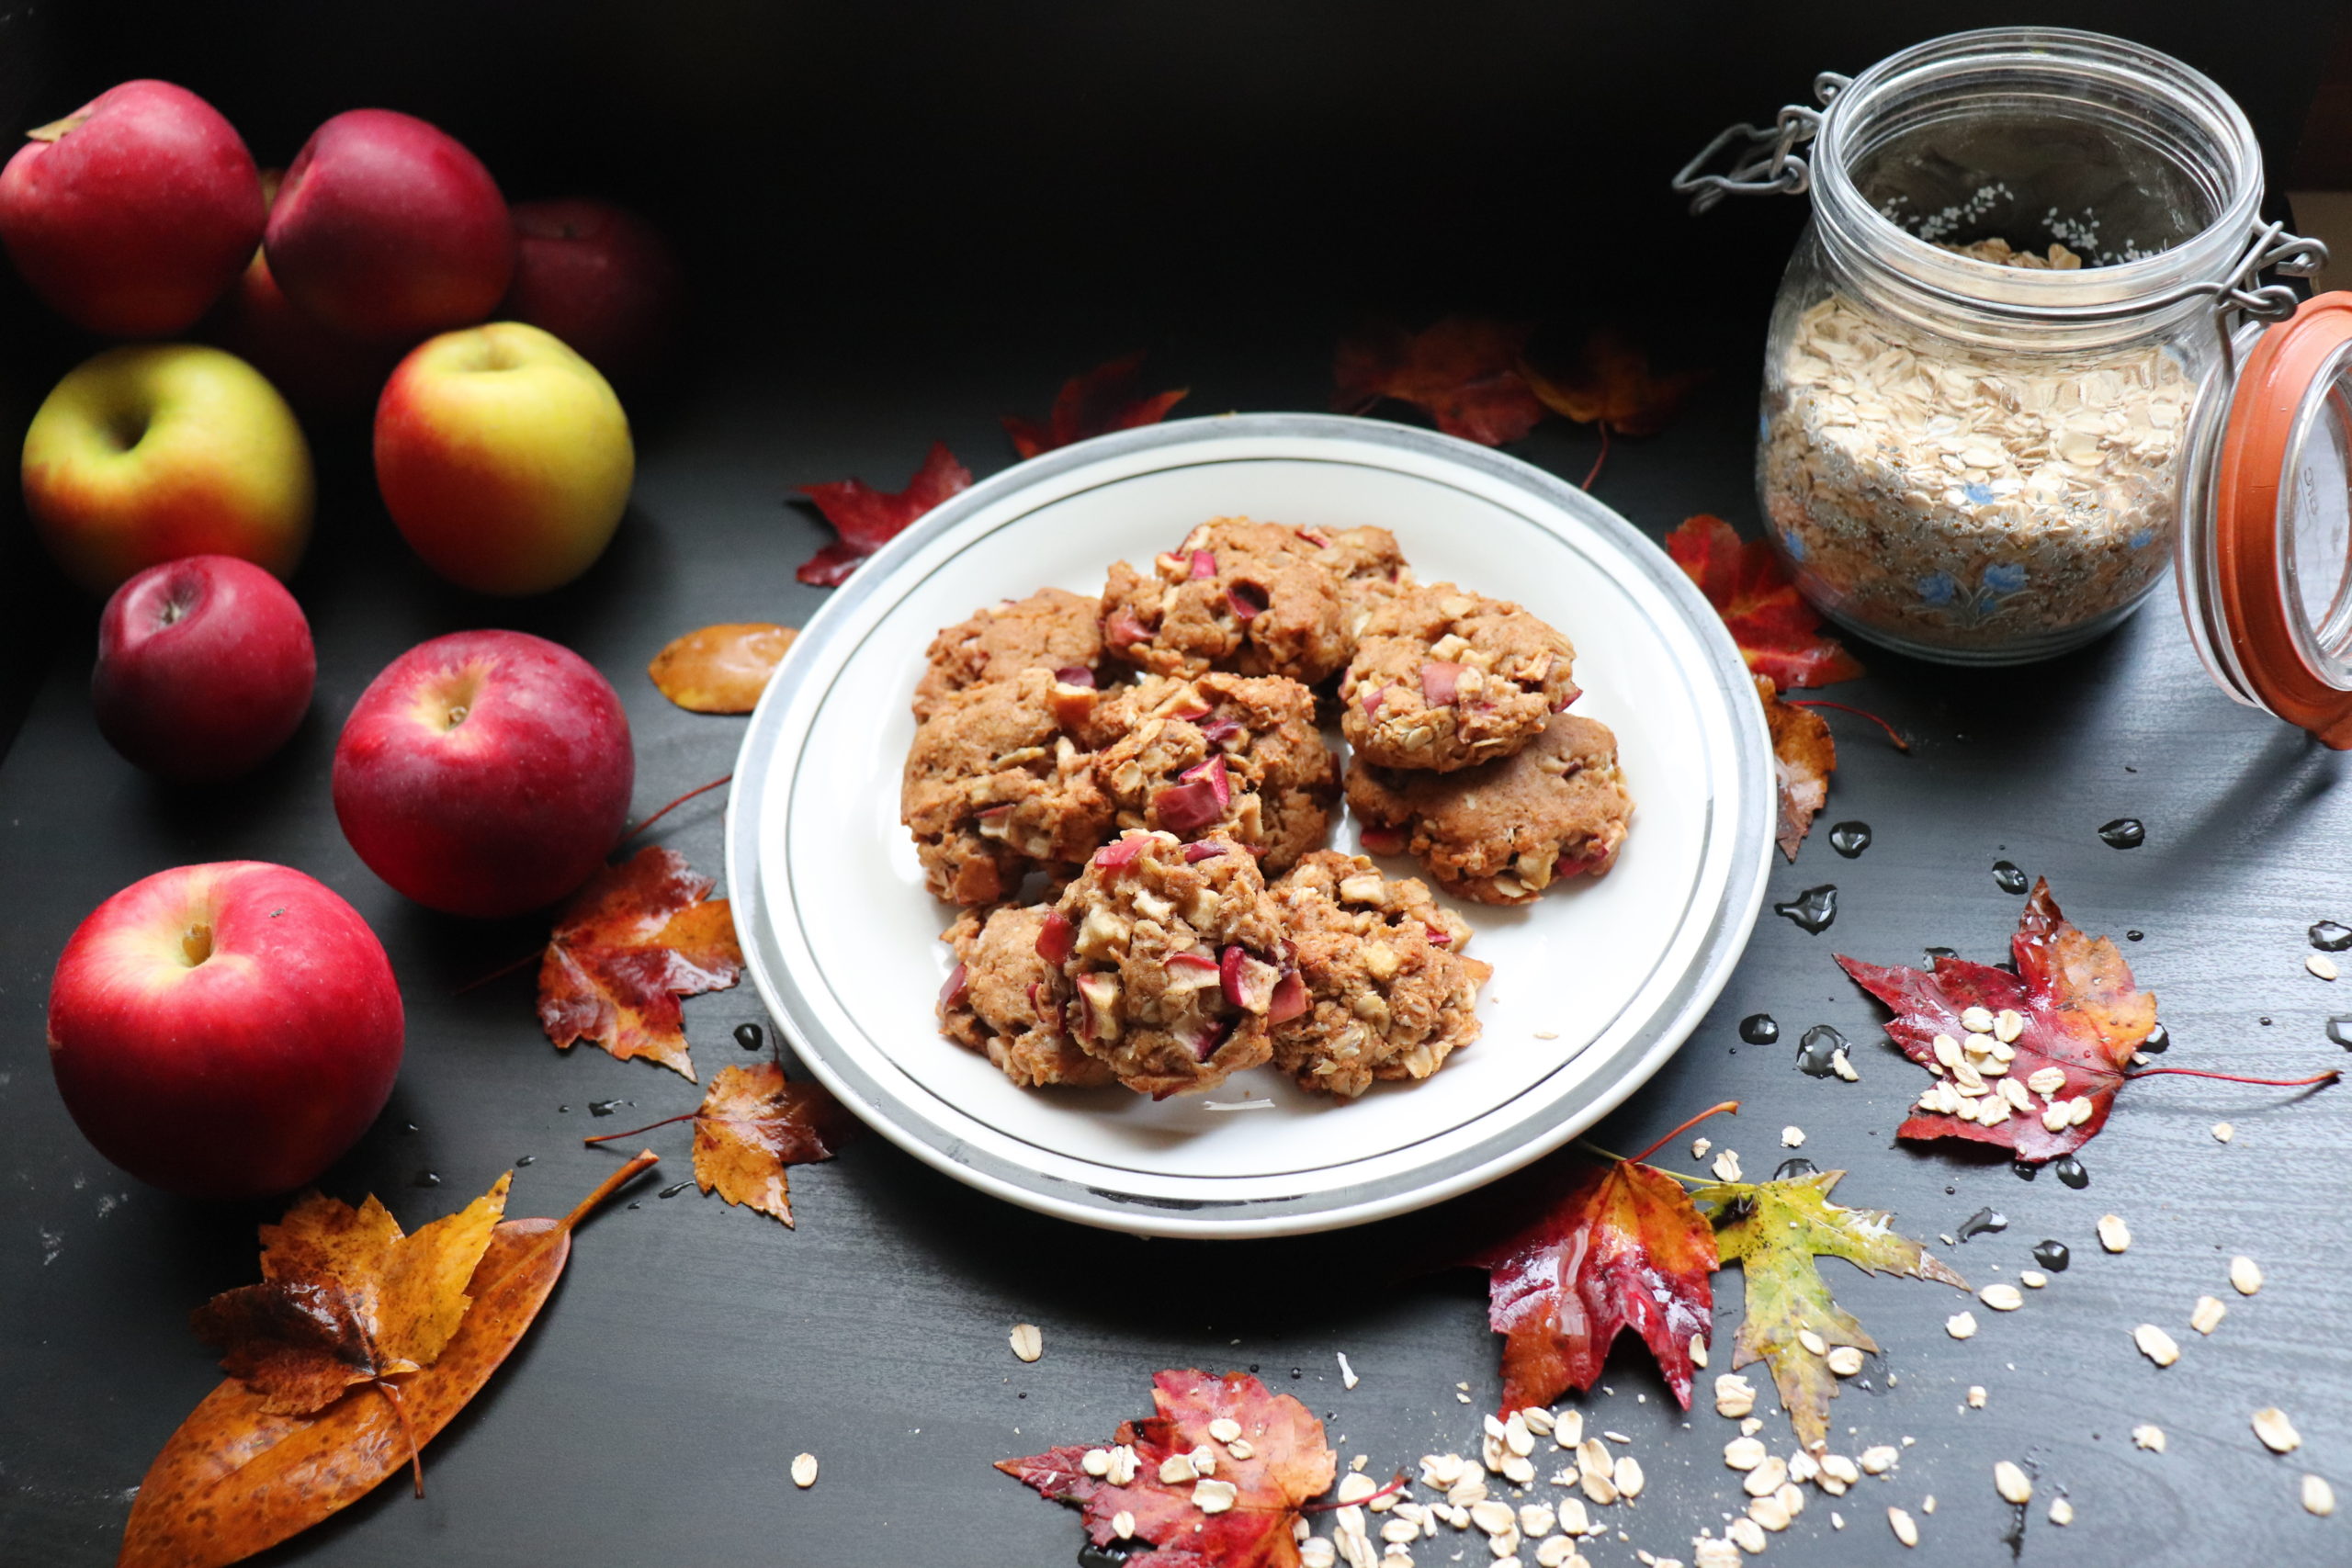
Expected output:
(1445, 679)
(1503, 831)
(1236, 755)
(1252, 598)
(997, 785)
(1004, 1001)
(1389, 994)
(1052, 630)
(1174, 961)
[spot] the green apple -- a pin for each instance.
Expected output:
(156, 451)
(504, 456)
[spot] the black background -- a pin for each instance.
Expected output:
(902, 222)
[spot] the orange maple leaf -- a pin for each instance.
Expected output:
(1463, 371)
(1778, 632)
(753, 1124)
(721, 669)
(1612, 384)
(633, 941)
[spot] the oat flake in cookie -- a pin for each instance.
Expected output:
(1447, 678)
(998, 786)
(1503, 831)
(1004, 1001)
(1052, 630)
(1174, 960)
(1254, 598)
(1236, 755)
(1389, 995)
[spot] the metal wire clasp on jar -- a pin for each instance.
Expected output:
(2028, 253)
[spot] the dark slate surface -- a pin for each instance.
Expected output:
(693, 1349)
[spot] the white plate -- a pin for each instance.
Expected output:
(1594, 987)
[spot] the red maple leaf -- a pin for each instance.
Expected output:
(1095, 402)
(866, 519)
(1622, 1248)
(1778, 632)
(1463, 371)
(2079, 1013)
(637, 938)
(1282, 1461)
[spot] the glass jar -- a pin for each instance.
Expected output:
(2011, 312)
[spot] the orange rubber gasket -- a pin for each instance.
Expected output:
(2277, 374)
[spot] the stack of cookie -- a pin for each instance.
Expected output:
(1108, 787)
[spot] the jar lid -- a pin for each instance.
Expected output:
(2276, 567)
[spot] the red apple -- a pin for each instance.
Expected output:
(386, 229)
(485, 773)
(204, 668)
(317, 367)
(599, 277)
(131, 214)
(224, 1031)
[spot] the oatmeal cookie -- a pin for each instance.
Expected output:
(1253, 598)
(1503, 831)
(997, 785)
(1389, 993)
(1236, 755)
(1444, 679)
(1052, 630)
(1174, 961)
(1004, 1001)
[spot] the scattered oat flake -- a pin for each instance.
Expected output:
(2155, 1344)
(2032, 1278)
(1027, 1343)
(1976, 1396)
(2011, 1482)
(2061, 1512)
(1547, 1035)
(2321, 965)
(2319, 1497)
(2207, 1315)
(1793, 1137)
(2113, 1234)
(1346, 1373)
(1846, 1361)
(2148, 1436)
(2245, 1275)
(2278, 1433)
(1879, 1459)
(804, 1471)
(2001, 1297)
(1961, 1325)
(2223, 1132)
(1726, 1166)
(1905, 1531)
(1699, 1147)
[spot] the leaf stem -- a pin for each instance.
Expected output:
(1621, 1159)
(633, 1131)
(408, 1430)
(1729, 1106)
(2329, 1077)
(501, 972)
(1892, 733)
(1601, 457)
(665, 811)
(644, 1159)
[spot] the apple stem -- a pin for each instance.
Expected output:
(1594, 472)
(643, 1161)
(665, 811)
(501, 972)
(633, 1131)
(1731, 1105)
(408, 1430)
(2329, 1077)
(1892, 733)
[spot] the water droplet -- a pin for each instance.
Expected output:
(1817, 1051)
(2124, 833)
(2026, 1169)
(2069, 1170)
(1850, 838)
(2263, 1020)
(565, 1109)
(1932, 953)
(605, 1107)
(2052, 1256)
(675, 1189)
(527, 1159)
(1760, 1029)
(2339, 1029)
(1984, 1221)
(2330, 937)
(637, 1205)
(2008, 878)
(2159, 1042)
(2135, 936)
(407, 1127)
(748, 1036)
(1812, 909)
(1790, 1169)
(427, 1179)
(1294, 1371)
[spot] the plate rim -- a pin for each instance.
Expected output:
(1703, 979)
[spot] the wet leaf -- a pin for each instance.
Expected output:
(633, 941)
(754, 1123)
(1622, 1248)
(721, 668)
(1804, 756)
(2081, 1013)
(346, 1298)
(238, 1476)
(1611, 383)
(1289, 1464)
(1774, 1230)
(1778, 634)
(866, 519)
(1094, 402)
(1463, 372)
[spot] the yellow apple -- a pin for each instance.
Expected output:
(504, 456)
(156, 451)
